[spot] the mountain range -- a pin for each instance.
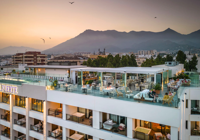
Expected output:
(13, 50)
(115, 41)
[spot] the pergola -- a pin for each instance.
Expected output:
(125, 70)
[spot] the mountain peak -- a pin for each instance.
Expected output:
(169, 30)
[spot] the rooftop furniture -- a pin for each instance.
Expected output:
(142, 133)
(119, 93)
(169, 100)
(108, 124)
(77, 137)
(143, 95)
(186, 84)
(121, 127)
(128, 92)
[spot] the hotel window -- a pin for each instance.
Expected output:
(5, 98)
(37, 105)
(186, 103)
(20, 101)
(186, 124)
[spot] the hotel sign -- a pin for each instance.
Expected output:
(8, 88)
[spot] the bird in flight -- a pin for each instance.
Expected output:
(155, 17)
(71, 2)
(43, 40)
(49, 37)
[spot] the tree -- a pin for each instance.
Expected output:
(186, 66)
(84, 62)
(181, 57)
(169, 58)
(133, 59)
(193, 63)
(89, 62)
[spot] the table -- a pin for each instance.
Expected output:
(77, 137)
(108, 90)
(84, 89)
(79, 115)
(129, 95)
(159, 99)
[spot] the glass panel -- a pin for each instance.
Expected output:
(159, 78)
(20, 101)
(37, 105)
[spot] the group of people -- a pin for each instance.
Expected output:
(152, 94)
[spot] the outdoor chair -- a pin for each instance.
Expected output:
(119, 93)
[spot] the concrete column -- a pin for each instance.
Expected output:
(82, 78)
(129, 127)
(154, 78)
(108, 116)
(101, 79)
(45, 113)
(11, 117)
(64, 137)
(28, 104)
(133, 126)
(64, 112)
(138, 123)
(174, 133)
(125, 75)
(96, 119)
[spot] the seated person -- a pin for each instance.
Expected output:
(166, 96)
(170, 93)
(152, 94)
(184, 81)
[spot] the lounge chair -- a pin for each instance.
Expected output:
(169, 100)
(119, 93)
(186, 84)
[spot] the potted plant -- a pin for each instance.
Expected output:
(157, 88)
(55, 84)
(90, 82)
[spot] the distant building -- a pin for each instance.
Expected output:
(67, 60)
(29, 58)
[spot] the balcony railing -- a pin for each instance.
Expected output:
(5, 117)
(5, 134)
(22, 137)
(36, 128)
(55, 112)
(81, 120)
(20, 122)
(195, 132)
(55, 134)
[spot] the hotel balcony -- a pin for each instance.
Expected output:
(5, 98)
(55, 132)
(20, 101)
(20, 121)
(6, 132)
(114, 124)
(36, 126)
(37, 105)
(5, 115)
(75, 135)
(79, 115)
(55, 109)
(195, 129)
(20, 136)
(195, 107)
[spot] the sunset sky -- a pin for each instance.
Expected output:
(24, 22)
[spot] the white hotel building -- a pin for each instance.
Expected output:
(37, 107)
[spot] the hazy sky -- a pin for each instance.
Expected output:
(24, 22)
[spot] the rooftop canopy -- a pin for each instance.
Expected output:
(142, 70)
(55, 66)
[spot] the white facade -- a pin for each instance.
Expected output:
(134, 112)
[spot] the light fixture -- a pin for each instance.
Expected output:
(185, 93)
